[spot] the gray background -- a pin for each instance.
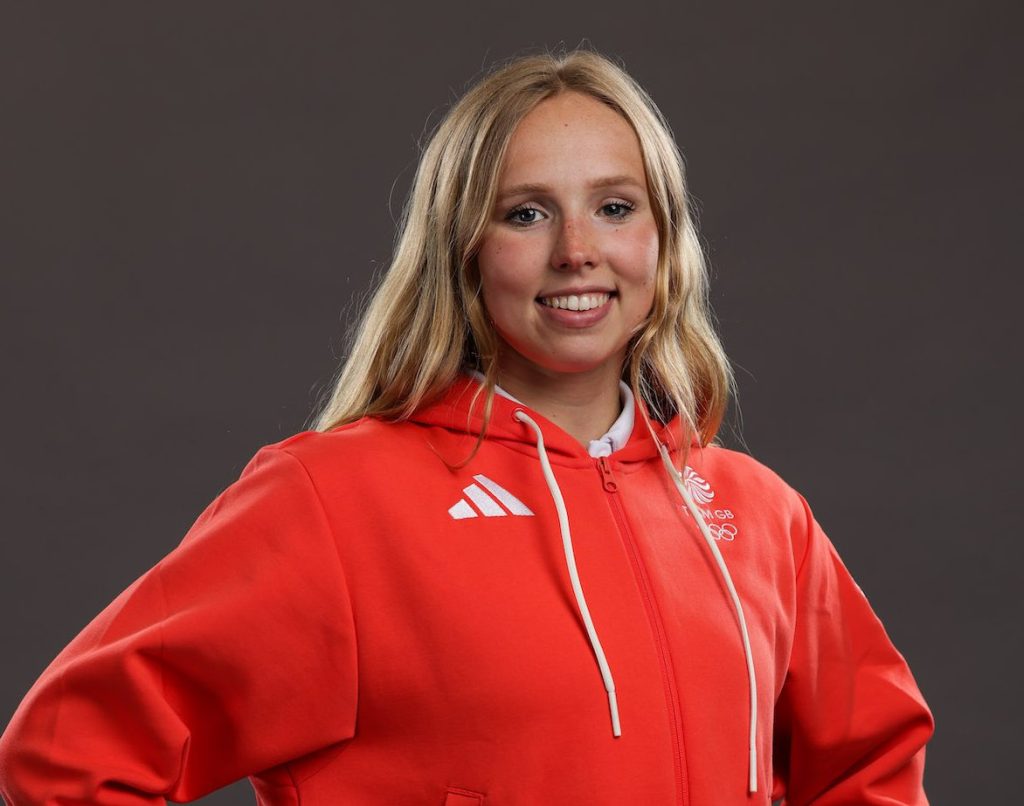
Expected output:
(193, 193)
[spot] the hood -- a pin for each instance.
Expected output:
(456, 412)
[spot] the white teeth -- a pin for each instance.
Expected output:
(576, 302)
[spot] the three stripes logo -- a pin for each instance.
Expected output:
(505, 504)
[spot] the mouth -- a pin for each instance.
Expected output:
(577, 302)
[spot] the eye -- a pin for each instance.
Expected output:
(621, 209)
(515, 218)
(524, 215)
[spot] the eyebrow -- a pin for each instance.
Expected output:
(535, 187)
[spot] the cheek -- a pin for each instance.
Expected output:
(491, 249)
(504, 264)
(637, 255)
(641, 262)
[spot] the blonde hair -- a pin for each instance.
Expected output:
(426, 321)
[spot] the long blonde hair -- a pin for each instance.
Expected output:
(426, 321)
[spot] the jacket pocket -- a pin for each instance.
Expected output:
(462, 797)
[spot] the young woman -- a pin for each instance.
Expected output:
(509, 565)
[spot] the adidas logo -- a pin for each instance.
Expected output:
(489, 508)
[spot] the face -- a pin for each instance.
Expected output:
(569, 256)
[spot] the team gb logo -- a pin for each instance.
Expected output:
(700, 491)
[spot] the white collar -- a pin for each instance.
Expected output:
(616, 436)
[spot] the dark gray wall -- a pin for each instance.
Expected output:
(193, 192)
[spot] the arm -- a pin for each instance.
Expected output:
(851, 724)
(234, 654)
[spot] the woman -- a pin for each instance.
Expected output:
(509, 565)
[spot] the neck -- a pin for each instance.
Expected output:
(583, 404)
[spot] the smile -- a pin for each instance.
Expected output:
(576, 302)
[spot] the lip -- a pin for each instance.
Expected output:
(576, 319)
(583, 289)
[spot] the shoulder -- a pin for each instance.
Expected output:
(351, 449)
(750, 486)
(741, 470)
(308, 446)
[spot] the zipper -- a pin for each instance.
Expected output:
(607, 479)
(611, 486)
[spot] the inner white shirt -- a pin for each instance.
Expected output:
(614, 438)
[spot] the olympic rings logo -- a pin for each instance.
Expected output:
(723, 531)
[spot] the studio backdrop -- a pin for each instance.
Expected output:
(197, 198)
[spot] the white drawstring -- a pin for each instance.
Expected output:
(677, 478)
(570, 561)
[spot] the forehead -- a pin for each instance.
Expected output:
(571, 136)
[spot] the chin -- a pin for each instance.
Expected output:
(537, 355)
(572, 364)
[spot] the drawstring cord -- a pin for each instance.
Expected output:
(570, 561)
(698, 518)
(595, 642)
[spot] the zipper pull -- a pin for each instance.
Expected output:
(606, 475)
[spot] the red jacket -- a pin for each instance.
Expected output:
(352, 622)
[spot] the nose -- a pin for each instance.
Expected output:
(575, 247)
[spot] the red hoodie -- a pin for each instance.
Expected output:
(352, 622)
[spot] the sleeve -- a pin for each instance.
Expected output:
(236, 653)
(850, 722)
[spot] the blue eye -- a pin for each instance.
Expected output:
(513, 216)
(625, 208)
(619, 210)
